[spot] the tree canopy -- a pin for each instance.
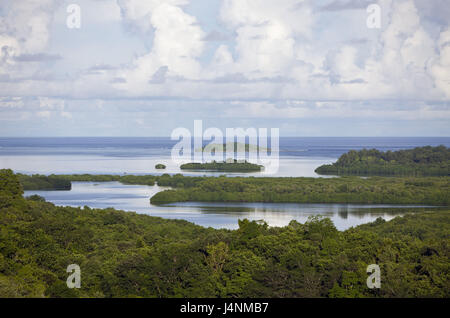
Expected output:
(374, 190)
(234, 166)
(421, 161)
(124, 254)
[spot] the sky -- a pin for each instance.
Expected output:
(144, 68)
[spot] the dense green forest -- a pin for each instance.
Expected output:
(125, 179)
(41, 182)
(123, 254)
(223, 166)
(422, 161)
(375, 190)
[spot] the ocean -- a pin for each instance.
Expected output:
(299, 156)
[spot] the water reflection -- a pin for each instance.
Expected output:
(217, 215)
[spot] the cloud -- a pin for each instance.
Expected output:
(434, 11)
(11, 102)
(28, 21)
(355, 81)
(258, 53)
(66, 115)
(24, 37)
(137, 14)
(37, 76)
(160, 75)
(441, 68)
(241, 78)
(216, 36)
(102, 67)
(277, 51)
(339, 5)
(51, 103)
(38, 57)
(44, 114)
(265, 32)
(118, 80)
(335, 110)
(177, 42)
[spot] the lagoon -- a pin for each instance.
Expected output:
(214, 214)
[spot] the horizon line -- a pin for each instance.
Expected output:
(35, 137)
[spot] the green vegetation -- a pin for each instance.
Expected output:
(160, 166)
(219, 148)
(234, 166)
(374, 190)
(40, 182)
(63, 181)
(123, 254)
(125, 179)
(425, 161)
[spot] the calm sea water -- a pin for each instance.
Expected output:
(298, 157)
(216, 215)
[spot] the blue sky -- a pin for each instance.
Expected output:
(144, 68)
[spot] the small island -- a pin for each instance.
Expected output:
(226, 166)
(220, 148)
(160, 166)
(421, 161)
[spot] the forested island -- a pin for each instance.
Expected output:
(123, 254)
(41, 182)
(234, 166)
(63, 182)
(233, 146)
(421, 161)
(374, 190)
